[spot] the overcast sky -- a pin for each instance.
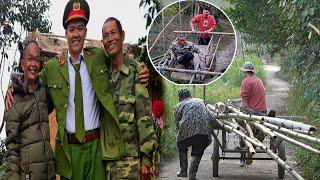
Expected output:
(127, 11)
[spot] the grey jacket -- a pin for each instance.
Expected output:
(191, 118)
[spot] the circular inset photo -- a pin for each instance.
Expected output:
(191, 42)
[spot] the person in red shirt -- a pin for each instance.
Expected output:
(253, 99)
(205, 23)
(252, 90)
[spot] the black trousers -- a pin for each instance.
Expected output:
(203, 41)
(199, 143)
(185, 59)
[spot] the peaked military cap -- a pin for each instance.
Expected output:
(76, 9)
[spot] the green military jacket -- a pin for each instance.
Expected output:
(133, 106)
(55, 78)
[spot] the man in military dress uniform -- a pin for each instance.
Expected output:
(133, 107)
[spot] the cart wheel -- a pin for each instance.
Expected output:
(215, 158)
(282, 155)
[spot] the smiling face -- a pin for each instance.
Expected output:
(76, 33)
(31, 63)
(112, 38)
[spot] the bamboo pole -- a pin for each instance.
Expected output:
(214, 53)
(289, 124)
(235, 122)
(291, 133)
(249, 130)
(156, 58)
(221, 107)
(303, 118)
(188, 71)
(297, 143)
(276, 121)
(199, 32)
(212, 108)
(232, 124)
(265, 130)
(194, 75)
(236, 126)
(265, 149)
(164, 56)
(163, 37)
(302, 131)
(250, 147)
(151, 47)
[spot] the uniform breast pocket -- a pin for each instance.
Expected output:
(126, 108)
(102, 71)
(55, 85)
(56, 93)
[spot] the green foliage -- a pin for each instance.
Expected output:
(227, 87)
(289, 27)
(27, 15)
(152, 7)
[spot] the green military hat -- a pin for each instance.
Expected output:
(76, 9)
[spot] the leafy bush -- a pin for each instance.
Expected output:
(291, 30)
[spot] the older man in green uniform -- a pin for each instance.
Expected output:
(133, 106)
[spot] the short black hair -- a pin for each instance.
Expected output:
(119, 26)
(181, 36)
(207, 8)
(22, 47)
(27, 43)
(183, 94)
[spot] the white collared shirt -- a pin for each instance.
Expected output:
(91, 108)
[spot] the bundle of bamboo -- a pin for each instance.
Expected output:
(232, 119)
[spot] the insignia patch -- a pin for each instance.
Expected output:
(76, 6)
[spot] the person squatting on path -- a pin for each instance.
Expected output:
(205, 23)
(193, 123)
(133, 107)
(253, 99)
(182, 51)
(78, 84)
(29, 154)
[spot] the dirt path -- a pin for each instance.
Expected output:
(229, 169)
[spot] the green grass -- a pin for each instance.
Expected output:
(227, 87)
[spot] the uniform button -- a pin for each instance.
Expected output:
(68, 87)
(54, 86)
(101, 71)
(65, 105)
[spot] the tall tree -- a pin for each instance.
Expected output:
(16, 18)
(19, 16)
